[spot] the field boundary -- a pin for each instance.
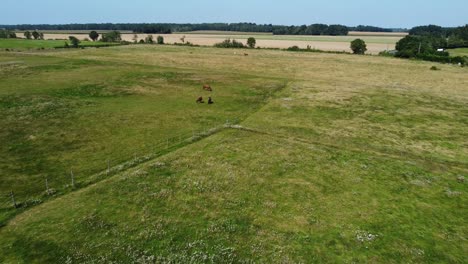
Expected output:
(17, 204)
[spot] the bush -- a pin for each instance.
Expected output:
(294, 48)
(387, 53)
(228, 43)
(113, 36)
(160, 40)
(74, 41)
(188, 43)
(358, 46)
(149, 39)
(434, 68)
(7, 34)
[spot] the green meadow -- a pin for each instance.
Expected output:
(459, 52)
(27, 44)
(303, 157)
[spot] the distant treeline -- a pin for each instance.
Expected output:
(314, 29)
(362, 28)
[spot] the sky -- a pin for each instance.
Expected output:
(384, 13)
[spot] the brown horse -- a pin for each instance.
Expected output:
(207, 87)
(200, 100)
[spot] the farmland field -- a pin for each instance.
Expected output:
(375, 43)
(459, 52)
(22, 44)
(304, 157)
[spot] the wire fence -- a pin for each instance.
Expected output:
(42, 188)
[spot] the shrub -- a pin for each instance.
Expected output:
(149, 39)
(160, 40)
(228, 43)
(141, 41)
(294, 48)
(113, 36)
(74, 41)
(358, 46)
(7, 34)
(434, 68)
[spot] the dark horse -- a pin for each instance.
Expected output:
(200, 100)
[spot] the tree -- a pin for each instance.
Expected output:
(358, 46)
(36, 34)
(93, 35)
(74, 41)
(41, 35)
(149, 39)
(251, 42)
(27, 35)
(160, 40)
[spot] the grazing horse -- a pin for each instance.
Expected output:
(200, 100)
(207, 87)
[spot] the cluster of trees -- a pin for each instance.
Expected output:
(315, 29)
(112, 36)
(35, 34)
(230, 43)
(7, 34)
(149, 39)
(426, 42)
(442, 37)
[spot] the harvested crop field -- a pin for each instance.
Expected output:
(375, 43)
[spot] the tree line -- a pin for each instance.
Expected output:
(167, 28)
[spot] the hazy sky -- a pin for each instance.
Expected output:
(385, 13)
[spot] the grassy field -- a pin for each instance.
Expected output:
(459, 52)
(22, 44)
(332, 158)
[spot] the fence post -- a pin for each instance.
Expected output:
(72, 178)
(12, 195)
